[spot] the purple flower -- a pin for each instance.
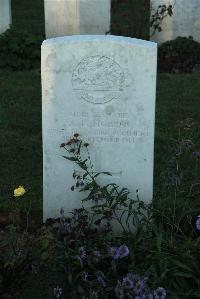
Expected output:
(196, 155)
(62, 216)
(113, 252)
(57, 292)
(139, 286)
(198, 223)
(82, 252)
(128, 282)
(101, 279)
(123, 251)
(138, 297)
(118, 252)
(160, 293)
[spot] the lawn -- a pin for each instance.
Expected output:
(21, 143)
(177, 120)
(21, 150)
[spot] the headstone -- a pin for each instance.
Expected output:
(69, 17)
(184, 22)
(102, 87)
(5, 15)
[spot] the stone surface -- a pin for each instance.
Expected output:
(69, 17)
(5, 15)
(184, 22)
(102, 87)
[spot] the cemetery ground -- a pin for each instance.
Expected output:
(170, 257)
(21, 154)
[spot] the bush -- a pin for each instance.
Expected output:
(19, 50)
(181, 55)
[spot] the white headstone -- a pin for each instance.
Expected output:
(102, 87)
(184, 22)
(69, 17)
(5, 15)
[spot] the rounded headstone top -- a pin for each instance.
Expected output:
(99, 38)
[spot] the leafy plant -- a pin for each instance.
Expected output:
(110, 201)
(181, 55)
(19, 50)
(158, 16)
(83, 257)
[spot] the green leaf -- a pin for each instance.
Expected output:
(79, 148)
(159, 241)
(183, 274)
(85, 175)
(182, 265)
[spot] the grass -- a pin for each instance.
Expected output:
(177, 100)
(21, 141)
(20, 129)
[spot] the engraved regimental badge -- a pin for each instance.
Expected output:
(98, 80)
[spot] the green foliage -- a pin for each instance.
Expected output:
(81, 257)
(130, 18)
(158, 16)
(165, 242)
(181, 55)
(19, 50)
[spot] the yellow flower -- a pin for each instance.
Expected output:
(19, 191)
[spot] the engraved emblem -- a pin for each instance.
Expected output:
(98, 80)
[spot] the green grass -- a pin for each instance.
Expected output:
(177, 100)
(20, 127)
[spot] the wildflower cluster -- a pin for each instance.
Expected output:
(133, 286)
(118, 252)
(96, 263)
(74, 144)
(79, 226)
